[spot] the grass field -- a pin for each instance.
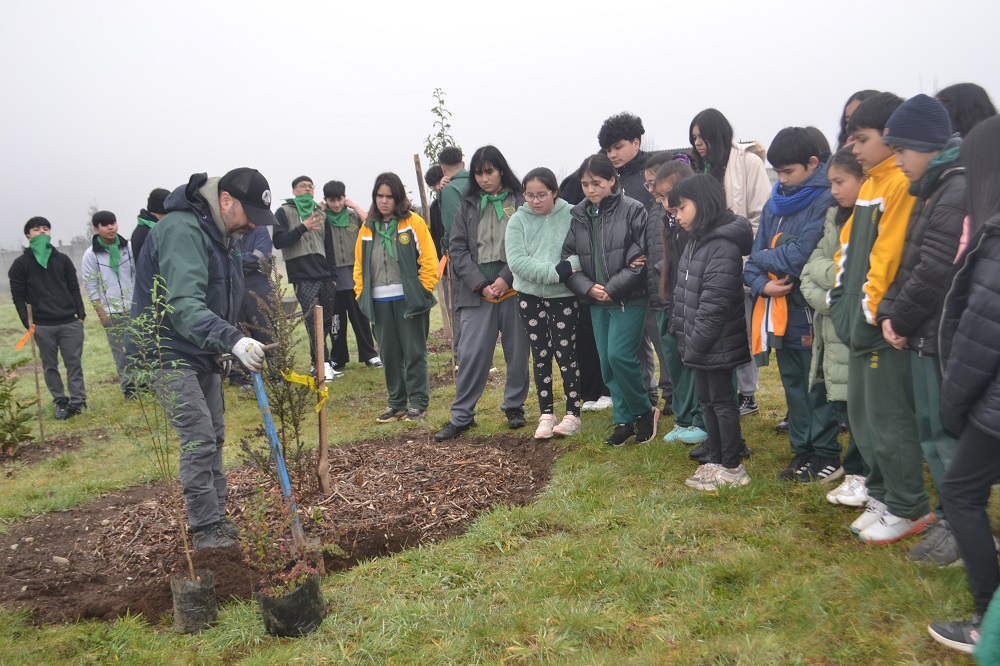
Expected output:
(617, 562)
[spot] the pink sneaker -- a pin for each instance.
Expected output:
(545, 426)
(570, 425)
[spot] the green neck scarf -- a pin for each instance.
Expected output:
(113, 252)
(305, 204)
(387, 235)
(143, 222)
(41, 247)
(340, 220)
(495, 199)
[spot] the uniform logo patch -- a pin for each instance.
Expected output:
(352, 227)
(509, 210)
(266, 198)
(404, 239)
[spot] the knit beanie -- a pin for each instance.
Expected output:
(920, 123)
(155, 202)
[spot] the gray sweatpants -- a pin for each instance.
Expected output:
(480, 327)
(195, 405)
(117, 331)
(68, 340)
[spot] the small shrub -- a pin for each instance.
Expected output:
(15, 418)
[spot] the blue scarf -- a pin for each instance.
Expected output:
(784, 205)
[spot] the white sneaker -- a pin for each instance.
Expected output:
(737, 476)
(331, 372)
(588, 405)
(602, 403)
(544, 429)
(701, 475)
(873, 511)
(570, 425)
(891, 528)
(852, 492)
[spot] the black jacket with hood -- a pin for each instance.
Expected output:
(622, 224)
(914, 301)
(708, 317)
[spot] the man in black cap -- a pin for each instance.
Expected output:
(45, 278)
(148, 217)
(193, 248)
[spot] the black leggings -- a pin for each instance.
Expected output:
(965, 490)
(722, 417)
(550, 324)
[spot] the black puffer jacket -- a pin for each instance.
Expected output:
(913, 302)
(622, 224)
(654, 260)
(708, 317)
(970, 338)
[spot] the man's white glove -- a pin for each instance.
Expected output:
(250, 353)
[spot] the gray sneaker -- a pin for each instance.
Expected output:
(937, 548)
(212, 536)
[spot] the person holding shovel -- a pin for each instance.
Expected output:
(192, 249)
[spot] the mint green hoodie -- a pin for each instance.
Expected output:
(534, 246)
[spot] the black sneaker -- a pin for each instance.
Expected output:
(645, 426)
(515, 418)
(391, 414)
(783, 426)
(699, 452)
(76, 408)
(62, 410)
(819, 469)
(451, 431)
(622, 434)
(414, 414)
(961, 636)
(798, 462)
(229, 529)
(213, 536)
(747, 405)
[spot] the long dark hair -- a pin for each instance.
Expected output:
(544, 176)
(717, 134)
(967, 104)
(600, 165)
(490, 156)
(981, 158)
(709, 198)
(676, 171)
(859, 96)
(402, 204)
(845, 160)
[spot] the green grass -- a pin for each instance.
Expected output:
(617, 562)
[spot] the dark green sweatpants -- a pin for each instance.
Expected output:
(685, 405)
(812, 421)
(880, 405)
(938, 446)
(402, 344)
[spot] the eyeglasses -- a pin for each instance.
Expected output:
(537, 197)
(486, 171)
(650, 185)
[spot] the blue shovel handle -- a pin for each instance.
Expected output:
(272, 436)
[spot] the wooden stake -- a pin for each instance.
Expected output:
(323, 465)
(38, 388)
(445, 314)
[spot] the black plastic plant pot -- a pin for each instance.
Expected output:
(195, 607)
(297, 613)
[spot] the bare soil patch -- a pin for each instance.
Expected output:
(115, 554)
(34, 452)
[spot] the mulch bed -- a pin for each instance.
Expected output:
(115, 554)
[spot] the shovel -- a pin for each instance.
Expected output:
(302, 545)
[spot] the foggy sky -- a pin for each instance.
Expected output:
(105, 100)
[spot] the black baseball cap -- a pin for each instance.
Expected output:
(250, 188)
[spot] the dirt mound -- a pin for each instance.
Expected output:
(115, 554)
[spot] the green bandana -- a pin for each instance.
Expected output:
(143, 222)
(41, 247)
(113, 252)
(340, 219)
(387, 236)
(496, 200)
(305, 204)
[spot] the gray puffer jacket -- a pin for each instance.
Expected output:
(621, 222)
(708, 313)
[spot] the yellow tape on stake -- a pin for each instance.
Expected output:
(309, 381)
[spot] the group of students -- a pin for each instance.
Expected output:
(867, 270)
